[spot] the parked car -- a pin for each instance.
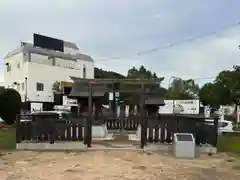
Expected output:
(62, 115)
(225, 126)
(1, 123)
(65, 115)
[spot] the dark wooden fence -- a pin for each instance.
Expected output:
(48, 128)
(153, 129)
(119, 123)
(161, 129)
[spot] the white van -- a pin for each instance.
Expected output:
(225, 126)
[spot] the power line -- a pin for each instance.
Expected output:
(203, 78)
(148, 51)
(200, 78)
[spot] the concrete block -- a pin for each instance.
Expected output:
(99, 131)
(48, 146)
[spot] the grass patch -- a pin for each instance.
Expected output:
(7, 139)
(229, 143)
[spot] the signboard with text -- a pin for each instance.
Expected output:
(187, 106)
(180, 107)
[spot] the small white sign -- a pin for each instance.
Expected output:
(69, 102)
(187, 106)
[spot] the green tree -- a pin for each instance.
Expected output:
(10, 105)
(100, 73)
(133, 73)
(230, 80)
(224, 90)
(212, 93)
(183, 89)
(141, 73)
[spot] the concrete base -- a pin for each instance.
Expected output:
(106, 138)
(99, 131)
(133, 137)
(79, 146)
(168, 148)
(207, 149)
(158, 147)
(47, 146)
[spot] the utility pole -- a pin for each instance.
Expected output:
(26, 89)
(238, 99)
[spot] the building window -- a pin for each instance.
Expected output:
(39, 86)
(29, 57)
(84, 71)
(8, 67)
(18, 65)
(23, 86)
(26, 57)
(51, 58)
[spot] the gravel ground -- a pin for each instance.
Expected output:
(112, 165)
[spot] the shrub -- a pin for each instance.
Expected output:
(229, 143)
(7, 139)
(10, 105)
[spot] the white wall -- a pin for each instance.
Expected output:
(37, 58)
(41, 70)
(47, 74)
(16, 74)
(68, 50)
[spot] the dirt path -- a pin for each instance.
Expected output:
(114, 166)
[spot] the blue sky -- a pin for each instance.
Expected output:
(107, 28)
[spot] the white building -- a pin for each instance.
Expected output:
(32, 71)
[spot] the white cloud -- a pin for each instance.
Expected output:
(104, 28)
(204, 57)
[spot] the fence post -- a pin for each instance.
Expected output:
(52, 123)
(18, 129)
(90, 112)
(51, 139)
(142, 119)
(215, 140)
(85, 140)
